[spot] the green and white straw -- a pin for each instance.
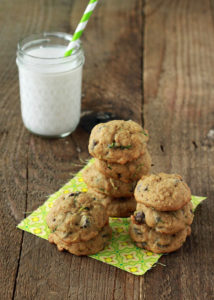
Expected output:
(81, 26)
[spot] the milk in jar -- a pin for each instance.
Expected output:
(50, 84)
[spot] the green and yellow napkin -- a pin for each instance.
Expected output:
(121, 251)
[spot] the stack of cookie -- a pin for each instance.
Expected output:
(121, 158)
(163, 214)
(79, 224)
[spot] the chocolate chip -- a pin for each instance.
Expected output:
(71, 194)
(145, 188)
(74, 194)
(86, 208)
(139, 217)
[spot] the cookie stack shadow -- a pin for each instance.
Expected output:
(163, 213)
(121, 159)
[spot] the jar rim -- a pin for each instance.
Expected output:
(38, 38)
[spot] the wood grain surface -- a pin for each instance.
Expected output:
(149, 61)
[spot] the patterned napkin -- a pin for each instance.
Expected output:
(121, 251)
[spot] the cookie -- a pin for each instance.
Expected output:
(117, 141)
(164, 192)
(116, 207)
(131, 171)
(105, 185)
(76, 217)
(149, 239)
(88, 247)
(168, 222)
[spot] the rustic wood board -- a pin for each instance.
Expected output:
(175, 38)
(179, 114)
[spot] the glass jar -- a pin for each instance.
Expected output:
(50, 84)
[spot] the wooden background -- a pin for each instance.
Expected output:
(151, 61)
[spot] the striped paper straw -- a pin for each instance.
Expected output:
(81, 26)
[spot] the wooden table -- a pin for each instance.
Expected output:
(151, 61)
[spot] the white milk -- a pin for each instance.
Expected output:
(50, 90)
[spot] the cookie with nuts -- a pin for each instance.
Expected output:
(149, 239)
(106, 185)
(128, 172)
(117, 141)
(168, 222)
(163, 192)
(76, 217)
(88, 247)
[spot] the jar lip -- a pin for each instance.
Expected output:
(45, 36)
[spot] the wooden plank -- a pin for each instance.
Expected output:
(112, 75)
(13, 159)
(13, 197)
(112, 82)
(16, 21)
(178, 112)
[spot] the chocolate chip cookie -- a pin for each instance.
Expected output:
(76, 217)
(131, 171)
(117, 141)
(88, 247)
(105, 185)
(164, 192)
(147, 238)
(168, 222)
